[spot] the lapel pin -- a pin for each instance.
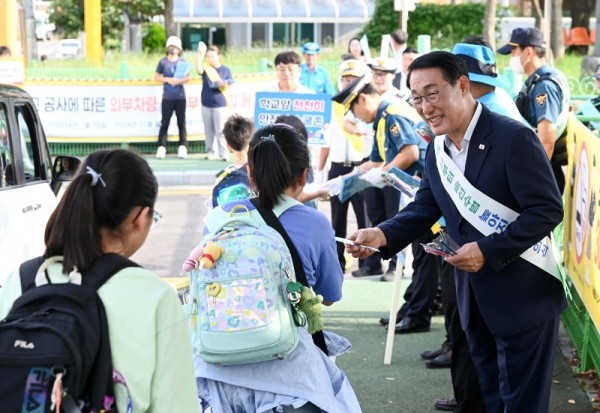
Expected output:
(481, 146)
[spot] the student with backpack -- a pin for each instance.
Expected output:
(103, 217)
(305, 379)
(232, 182)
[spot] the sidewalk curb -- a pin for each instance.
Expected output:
(181, 178)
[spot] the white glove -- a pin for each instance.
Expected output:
(334, 185)
(374, 177)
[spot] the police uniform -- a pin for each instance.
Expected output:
(548, 100)
(346, 152)
(392, 132)
(545, 95)
(317, 79)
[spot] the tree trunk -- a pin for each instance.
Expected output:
(556, 41)
(580, 12)
(169, 22)
(489, 23)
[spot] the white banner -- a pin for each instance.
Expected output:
(124, 111)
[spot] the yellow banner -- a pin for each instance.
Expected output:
(581, 223)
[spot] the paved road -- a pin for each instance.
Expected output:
(405, 386)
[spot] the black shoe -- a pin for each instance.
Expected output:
(442, 361)
(385, 321)
(446, 405)
(431, 354)
(407, 325)
(365, 272)
(390, 275)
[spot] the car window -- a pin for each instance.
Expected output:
(5, 153)
(29, 148)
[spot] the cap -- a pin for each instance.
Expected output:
(311, 48)
(352, 67)
(384, 64)
(481, 64)
(174, 41)
(347, 95)
(522, 37)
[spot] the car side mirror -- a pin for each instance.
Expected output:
(64, 168)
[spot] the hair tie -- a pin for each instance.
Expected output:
(285, 125)
(95, 176)
(271, 137)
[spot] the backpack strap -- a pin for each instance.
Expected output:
(273, 221)
(100, 382)
(27, 272)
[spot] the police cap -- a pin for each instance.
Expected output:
(523, 37)
(383, 64)
(347, 95)
(353, 67)
(311, 48)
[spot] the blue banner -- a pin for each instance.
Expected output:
(314, 110)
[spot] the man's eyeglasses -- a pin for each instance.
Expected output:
(156, 216)
(417, 100)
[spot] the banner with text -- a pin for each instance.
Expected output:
(105, 111)
(313, 109)
(581, 224)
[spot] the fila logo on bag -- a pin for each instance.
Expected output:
(24, 344)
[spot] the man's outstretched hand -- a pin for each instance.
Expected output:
(372, 237)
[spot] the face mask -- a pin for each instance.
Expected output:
(515, 65)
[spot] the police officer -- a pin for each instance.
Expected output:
(311, 75)
(396, 144)
(544, 99)
(350, 145)
(383, 75)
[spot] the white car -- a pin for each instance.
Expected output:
(29, 181)
(44, 31)
(68, 49)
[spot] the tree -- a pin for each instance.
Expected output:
(556, 40)
(447, 24)
(67, 15)
(580, 11)
(489, 23)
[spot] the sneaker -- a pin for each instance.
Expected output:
(182, 152)
(390, 275)
(365, 272)
(161, 152)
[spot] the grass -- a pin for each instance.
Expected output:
(141, 66)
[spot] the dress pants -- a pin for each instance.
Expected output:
(515, 373)
(339, 211)
(381, 204)
(420, 294)
(464, 376)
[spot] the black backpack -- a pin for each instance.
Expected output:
(58, 328)
(232, 184)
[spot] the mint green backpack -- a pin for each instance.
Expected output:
(240, 310)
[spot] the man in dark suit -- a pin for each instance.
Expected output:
(509, 306)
